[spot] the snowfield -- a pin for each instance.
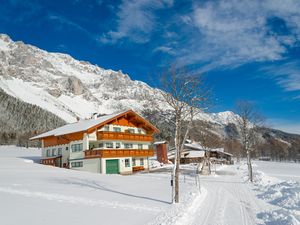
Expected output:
(281, 170)
(31, 193)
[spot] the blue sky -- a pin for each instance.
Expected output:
(245, 49)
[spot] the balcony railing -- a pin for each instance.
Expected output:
(108, 135)
(111, 153)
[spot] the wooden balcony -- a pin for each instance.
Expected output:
(115, 153)
(108, 135)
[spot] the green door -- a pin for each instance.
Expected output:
(112, 166)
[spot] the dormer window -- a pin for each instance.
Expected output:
(117, 129)
(130, 130)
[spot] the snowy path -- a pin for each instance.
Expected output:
(225, 200)
(229, 200)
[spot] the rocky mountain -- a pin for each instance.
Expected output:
(69, 88)
(65, 88)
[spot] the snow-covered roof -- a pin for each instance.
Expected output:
(194, 154)
(160, 142)
(81, 125)
(194, 145)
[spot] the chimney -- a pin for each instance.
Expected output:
(95, 115)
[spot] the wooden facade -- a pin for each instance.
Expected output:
(110, 135)
(63, 139)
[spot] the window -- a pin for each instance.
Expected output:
(106, 128)
(101, 145)
(118, 145)
(117, 129)
(140, 146)
(131, 131)
(67, 148)
(59, 151)
(127, 162)
(141, 161)
(139, 131)
(76, 147)
(109, 145)
(53, 152)
(128, 145)
(133, 162)
(77, 164)
(48, 153)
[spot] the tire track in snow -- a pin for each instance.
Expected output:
(79, 200)
(182, 213)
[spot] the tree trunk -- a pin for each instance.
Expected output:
(249, 166)
(175, 175)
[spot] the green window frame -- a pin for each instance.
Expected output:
(133, 162)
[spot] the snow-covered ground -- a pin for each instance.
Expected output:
(282, 170)
(31, 193)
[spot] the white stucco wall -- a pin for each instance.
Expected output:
(89, 165)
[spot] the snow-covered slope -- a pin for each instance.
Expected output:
(70, 88)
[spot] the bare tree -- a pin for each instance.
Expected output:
(184, 96)
(249, 123)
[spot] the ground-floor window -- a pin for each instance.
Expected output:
(127, 163)
(141, 161)
(77, 164)
(133, 162)
(48, 153)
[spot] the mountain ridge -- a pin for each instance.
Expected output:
(62, 85)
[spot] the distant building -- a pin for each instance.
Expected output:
(110, 144)
(194, 152)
